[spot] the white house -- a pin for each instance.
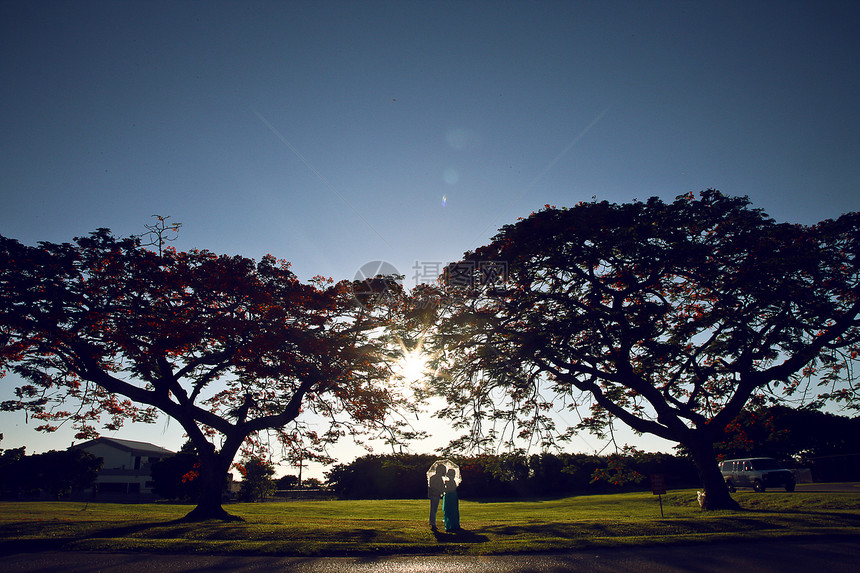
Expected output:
(126, 469)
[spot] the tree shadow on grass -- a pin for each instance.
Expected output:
(814, 512)
(546, 530)
(737, 523)
(50, 529)
(112, 532)
(460, 536)
(357, 535)
(56, 540)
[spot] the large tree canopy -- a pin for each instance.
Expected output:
(781, 432)
(668, 317)
(225, 346)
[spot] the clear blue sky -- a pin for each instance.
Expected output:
(336, 133)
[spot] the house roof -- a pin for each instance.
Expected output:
(129, 446)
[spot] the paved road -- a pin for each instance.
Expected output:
(833, 555)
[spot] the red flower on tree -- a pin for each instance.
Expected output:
(667, 317)
(226, 346)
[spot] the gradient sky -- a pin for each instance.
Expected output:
(332, 134)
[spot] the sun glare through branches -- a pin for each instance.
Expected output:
(412, 367)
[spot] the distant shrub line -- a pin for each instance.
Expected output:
(403, 476)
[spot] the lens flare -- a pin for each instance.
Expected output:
(412, 366)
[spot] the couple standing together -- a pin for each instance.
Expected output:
(443, 485)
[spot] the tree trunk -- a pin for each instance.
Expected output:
(716, 493)
(213, 473)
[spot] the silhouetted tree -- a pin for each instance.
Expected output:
(394, 476)
(404, 476)
(178, 477)
(312, 483)
(545, 473)
(287, 482)
(257, 480)
(57, 473)
(13, 481)
(226, 346)
(789, 433)
(159, 233)
(53, 473)
(668, 317)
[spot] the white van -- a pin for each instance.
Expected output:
(757, 473)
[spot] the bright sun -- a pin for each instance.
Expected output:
(412, 366)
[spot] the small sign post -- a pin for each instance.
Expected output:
(658, 488)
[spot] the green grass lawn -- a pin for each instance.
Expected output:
(399, 526)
